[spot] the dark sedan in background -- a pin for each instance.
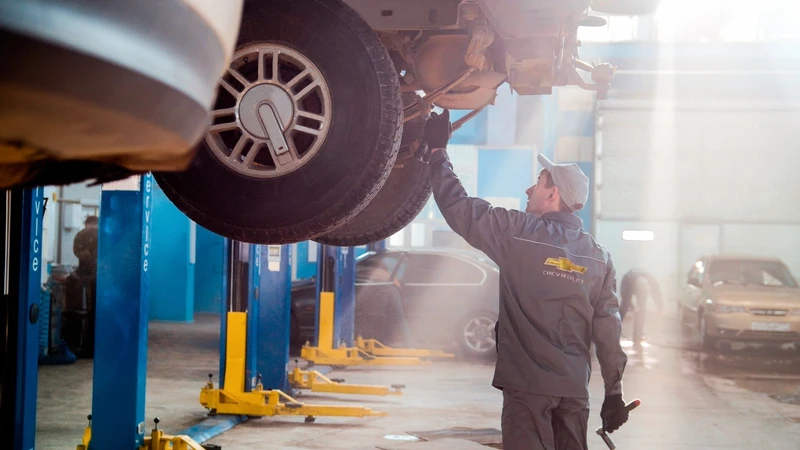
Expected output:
(449, 296)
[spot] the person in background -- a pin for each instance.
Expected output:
(78, 315)
(85, 248)
(642, 285)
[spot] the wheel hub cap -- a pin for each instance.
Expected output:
(479, 334)
(258, 105)
(272, 112)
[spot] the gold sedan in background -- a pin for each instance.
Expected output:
(741, 299)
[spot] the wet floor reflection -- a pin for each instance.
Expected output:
(751, 361)
(765, 369)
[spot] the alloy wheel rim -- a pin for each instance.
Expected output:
(272, 112)
(479, 334)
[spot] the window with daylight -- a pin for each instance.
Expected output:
(638, 235)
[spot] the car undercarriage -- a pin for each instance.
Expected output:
(314, 129)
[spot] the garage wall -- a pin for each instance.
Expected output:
(209, 273)
(659, 256)
(782, 241)
(172, 261)
(737, 164)
(710, 177)
(676, 246)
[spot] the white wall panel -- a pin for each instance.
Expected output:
(733, 166)
(781, 241)
(659, 256)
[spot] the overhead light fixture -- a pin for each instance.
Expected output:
(638, 235)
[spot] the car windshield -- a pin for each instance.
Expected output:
(762, 273)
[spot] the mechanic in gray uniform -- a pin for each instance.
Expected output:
(557, 296)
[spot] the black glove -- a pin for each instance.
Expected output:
(613, 413)
(438, 130)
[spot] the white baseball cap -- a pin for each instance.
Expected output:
(572, 184)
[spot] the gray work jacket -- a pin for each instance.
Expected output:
(557, 292)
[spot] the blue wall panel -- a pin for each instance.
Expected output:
(502, 119)
(208, 269)
(360, 250)
(474, 132)
(586, 214)
(505, 173)
(305, 260)
(576, 123)
(172, 276)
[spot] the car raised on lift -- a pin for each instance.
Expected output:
(313, 131)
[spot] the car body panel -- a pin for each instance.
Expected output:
(433, 308)
(757, 297)
(113, 83)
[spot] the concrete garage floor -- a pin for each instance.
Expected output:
(683, 405)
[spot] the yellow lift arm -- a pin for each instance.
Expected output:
(317, 382)
(374, 347)
(232, 399)
(325, 354)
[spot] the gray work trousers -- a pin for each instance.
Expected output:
(541, 422)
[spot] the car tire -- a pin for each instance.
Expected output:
(684, 327)
(475, 334)
(706, 342)
(401, 198)
(292, 156)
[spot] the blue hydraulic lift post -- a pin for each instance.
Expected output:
(29, 256)
(336, 273)
(345, 310)
(219, 424)
(223, 316)
(274, 317)
(253, 294)
(120, 354)
(246, 255)
(321, 264)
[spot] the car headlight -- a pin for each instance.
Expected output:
(721, 308)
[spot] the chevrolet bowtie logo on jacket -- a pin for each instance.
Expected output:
(565, 265)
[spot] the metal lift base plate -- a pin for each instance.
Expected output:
(260, 403)
(156, 441)
(376, 348)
